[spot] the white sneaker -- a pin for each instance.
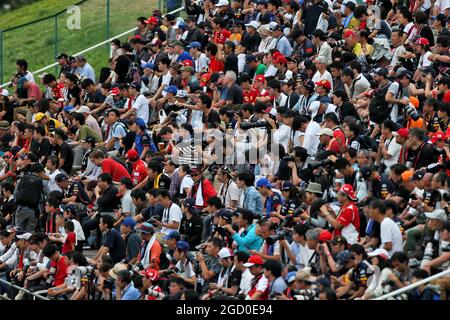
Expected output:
(20, 295)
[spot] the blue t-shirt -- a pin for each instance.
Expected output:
(184, 56)
(272, 203)
(143, 140)
(131, 293)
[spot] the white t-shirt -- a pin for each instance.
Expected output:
(140, 104)
(229, 192)
(390, 232)
(187, 182)
(171, 214)
(311, 141)
(442, 5)
(393, 148)
(78, 231)
(301, 253)
(201, 63)
(423, 60)
(282, 135)
(166, 81)
(52, 185)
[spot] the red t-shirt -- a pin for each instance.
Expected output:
(348, 217)
(61, 271)
(215, 65)
(115, 169)
(69, 244)
(58, 91)
(220, 37)
(139, 172)
(250, 95)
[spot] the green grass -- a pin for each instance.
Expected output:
(36, 42)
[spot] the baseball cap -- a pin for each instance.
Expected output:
(280, 59)
(438, 136)
(194, 44)
(69, 208)
(379, 253)
(129, 222)
(263, 182)
(145, 228)
(407, 175)
(309, 85)
(222, 3)
(255, 259)
(62, 55)
(22, 235)
(152, 274)
(152, 20)
(339, 240)
(402, 132)
(84, 109)
(136, 85)
(226, 214)
(418, 175)
(140, 122)
(148, 65)
(115, 91)
(348, 189)
(253, 24)
(324, 83)
(349, 33)
(343, 257)
(60, 177)
(260, 78)
(204, 79)
(304, 274)
(438, 214)
(325, 236)
(173, 234)
(67, 109)
(171, 89)
(225, 253)
(290, 276)
(132, 155)
(183, 246)
(423, 41)
(39, 116)
(325, 131)
(286, 186)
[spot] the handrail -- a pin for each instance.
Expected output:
(414, 285)
(23, 289)
(93, 47)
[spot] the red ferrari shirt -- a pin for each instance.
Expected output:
(61, 270)
(115, 169)
(69, 244)
(220, 37)
(139, 171)
(250, 95)
(215, 65)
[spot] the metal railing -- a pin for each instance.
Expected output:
(81, 25)
(33, 294)
(414, 285)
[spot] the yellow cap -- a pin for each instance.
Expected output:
(39, 116)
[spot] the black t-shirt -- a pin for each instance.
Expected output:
(164, 183)
(433, 125)
(251, 43)
(234, 278)
(74, 93)
(77, 189)
(65, 152)
(153, 212)
(108, 201)
(427, 33)
(422, 156)
(41, 149)
(231, 63)
(235, 94)
(431, 197)
(385, 187)
(116, 245)
(348, 109)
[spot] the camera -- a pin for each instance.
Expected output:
(252, 125)
(323, 163)
(288, 158)
(412, 112)
(170, 271)
(136, 268)
(108, 283)
(51, 275)
(281, 235)
(84, 270)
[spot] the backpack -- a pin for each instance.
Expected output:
(134, 71)
(378, 107)
(367, 143)
(29, 191)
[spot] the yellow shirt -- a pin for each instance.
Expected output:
(359, 52)
(236, 38)
(51, 125)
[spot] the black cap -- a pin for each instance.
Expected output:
(37, 167)
(62, 55)
(226, 214)
(350, 5)
(250, 57)
(60, 177)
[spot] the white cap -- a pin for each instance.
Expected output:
(222, 3)
(272, 25)
(325, 131)
(84, 109)
(253, 24)
(438, 214)
(24, 236)
(225, 253)
(379, 252)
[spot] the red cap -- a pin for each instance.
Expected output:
(152, 274)
(324, 83)
(280, 59)
(255, 259)
(205, 79)
(349, 33)
(423, 41)
(348, 189)
(187, 63)
(276, 54)
(402, 132)
(115, 91)
(261, 78)
(446, 97)
(132, 155)
(152, 20)
(438, 136)
(138, 37)
(325, 236)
